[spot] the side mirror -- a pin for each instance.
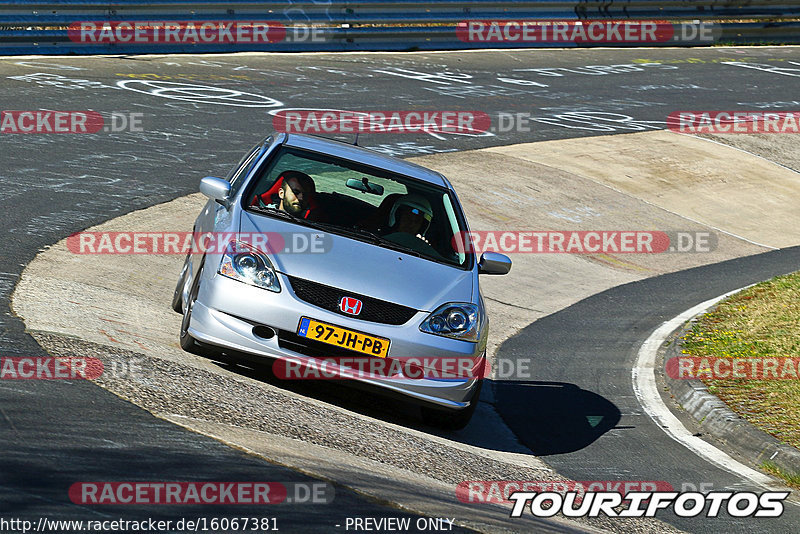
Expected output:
(494, 263)
(216, 189)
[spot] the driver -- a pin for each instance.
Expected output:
(295, 193)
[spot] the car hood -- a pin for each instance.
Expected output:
(367, 269)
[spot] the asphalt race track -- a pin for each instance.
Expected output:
(57, 433)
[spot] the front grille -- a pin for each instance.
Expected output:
(372, 309)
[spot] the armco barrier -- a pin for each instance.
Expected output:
(31, 27)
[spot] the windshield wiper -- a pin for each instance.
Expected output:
(352, 231)
(355, 230)
(402, 248)
(379, 239)
(286, 215)
(374, 238)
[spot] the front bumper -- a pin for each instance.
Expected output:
(227, 310)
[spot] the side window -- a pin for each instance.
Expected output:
(237, 176)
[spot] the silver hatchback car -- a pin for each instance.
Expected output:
(338, 262)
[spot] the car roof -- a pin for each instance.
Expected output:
(365, 156)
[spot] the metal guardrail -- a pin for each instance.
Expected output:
(32, 27)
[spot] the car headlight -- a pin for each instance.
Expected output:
(458, 320)
(244, 263)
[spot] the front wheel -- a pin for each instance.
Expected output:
(452, 419)
(188, 343)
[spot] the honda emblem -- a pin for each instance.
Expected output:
(350, 305)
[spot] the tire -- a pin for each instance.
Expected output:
(188, 343)
(177, 296)
(452, 419)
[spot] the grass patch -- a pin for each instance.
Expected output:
(792, 479)
(760, 322)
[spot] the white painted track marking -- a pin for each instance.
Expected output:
(644, 385)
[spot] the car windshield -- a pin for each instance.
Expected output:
(361, 202)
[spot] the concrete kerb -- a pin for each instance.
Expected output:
(715, 418)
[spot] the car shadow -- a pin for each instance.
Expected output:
(527, 417)
(554, 417)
